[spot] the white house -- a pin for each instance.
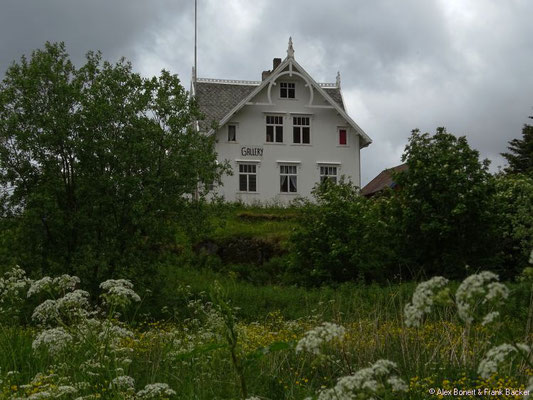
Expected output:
(282, 134)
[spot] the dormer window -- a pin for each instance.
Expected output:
(232, 133)
(287, 90)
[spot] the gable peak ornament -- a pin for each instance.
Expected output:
(338, 80)
(290, 49)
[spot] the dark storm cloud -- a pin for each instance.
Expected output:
(461, 64)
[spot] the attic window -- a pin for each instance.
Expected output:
(287, 90)
(232, 133)
(342, 137)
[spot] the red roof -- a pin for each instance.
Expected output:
(382, 181)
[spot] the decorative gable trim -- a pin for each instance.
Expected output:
(310, 82)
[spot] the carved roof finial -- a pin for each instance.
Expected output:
(338, 81)
(290, 49)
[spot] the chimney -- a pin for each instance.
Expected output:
(275, 63)
(265, 75)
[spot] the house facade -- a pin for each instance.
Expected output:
(281, 135)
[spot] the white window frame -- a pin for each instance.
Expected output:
(325, 172)
(290, 173)
(274, 121)
(247, 169)
(288, 87)
(298, 123)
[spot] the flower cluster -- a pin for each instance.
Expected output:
(423, 300)
(155, 391)
(495, 356)
(119, 292)
(55, 340)
(60, 284)
(480, 289)
(12, 287)
(315, 338)
(366, 383)
(72, 305)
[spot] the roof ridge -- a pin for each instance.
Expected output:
(228, 81)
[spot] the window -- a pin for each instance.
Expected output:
(247, 177)
(328, 172)
(301, 130)
(288, 179)
(232, 133)
(274, 129)
(342, 137)
(287, 90)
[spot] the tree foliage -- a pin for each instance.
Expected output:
(446, 205)
(97, 164)
(513, 206)
(520, 156)
(343, 236)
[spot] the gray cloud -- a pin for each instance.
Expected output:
(413, 64)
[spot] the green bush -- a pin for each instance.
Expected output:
(343, 236)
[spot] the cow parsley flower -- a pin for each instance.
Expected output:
(119, 292)
(315, 338)
(60, 284)
(123, 382)
(495, 356)
(477, 289)
(46, 312)
(155, 391)
(423, 300)
(55, 340)
(365, 383)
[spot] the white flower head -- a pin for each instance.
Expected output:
(315, 338)
(55, 340)
(366, 382)
(478, 289)
(497, 355)
(123, 383)
(422, 302)
(155, 391)
(60, 284)
(119, 292)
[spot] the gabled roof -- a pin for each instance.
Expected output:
(217, 97)
(220, 99)
(382, 181)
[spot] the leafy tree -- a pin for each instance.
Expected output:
(514, 218)
(520, 157)
(98, 165)
(343, 236)
(446, 208)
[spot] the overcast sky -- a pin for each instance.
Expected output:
(466, 65)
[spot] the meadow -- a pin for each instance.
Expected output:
(229, 339)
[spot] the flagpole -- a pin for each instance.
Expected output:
(195, 40)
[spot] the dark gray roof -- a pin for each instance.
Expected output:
(216, 100)
(335, 94)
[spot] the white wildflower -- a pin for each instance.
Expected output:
(40, 395)
(65, 390)
(55, 340)
(315, 338)
(119, 292)
(366, 382)
(478, 289)
(254, 398)
(46, 312)
(154, 391)
(495, 356)
(41, 285)
(61, 284)
(123, 382)
(490, 317)
(423, 300)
